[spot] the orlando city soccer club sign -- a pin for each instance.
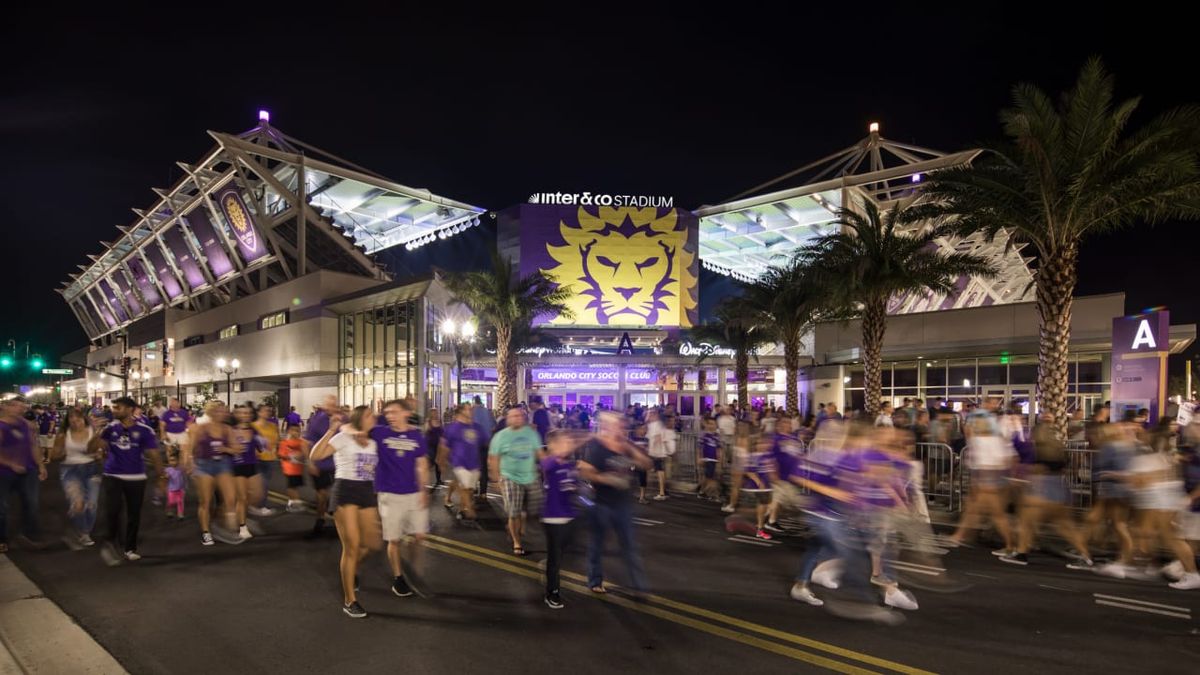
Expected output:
(626, 266)
(1139, 363)
(238, 216)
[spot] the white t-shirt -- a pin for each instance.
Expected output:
(989, 452)
(352, 461)
(884, 420)
(726, 425)
(656, 433)
(76, 452)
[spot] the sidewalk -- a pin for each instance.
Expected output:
(38, 637)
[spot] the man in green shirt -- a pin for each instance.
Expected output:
(513, 456)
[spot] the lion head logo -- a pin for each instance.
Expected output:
(626, 266)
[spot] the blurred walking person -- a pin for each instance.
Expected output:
(124, 445)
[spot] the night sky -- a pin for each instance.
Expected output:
(487, 107)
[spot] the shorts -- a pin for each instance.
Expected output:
(323, 480)
(294, 482)
(175, 439)
(521, 498)
(213, 466)
(1189, 525)
(1049, 488)
(245, 470)
(988, 478)
(710, 468)
(46, 441)
(402, 515)
(360, 493)
(786, 494)
(466, 478)
(659, 463)
(761, 497)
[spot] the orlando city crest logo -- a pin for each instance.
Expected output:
(239, 219)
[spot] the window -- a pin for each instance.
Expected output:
(273, 320)
(229, 331)
(193, 341)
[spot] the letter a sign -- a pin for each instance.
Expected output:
(1140, 344)
(1143, 337)
(625, 346)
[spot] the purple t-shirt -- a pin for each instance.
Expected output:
(250, 449)
(464, 442)
(126, 449)
(541, 422)
(175, 421)
(710, 445)
(398, 453)
(176, 479)
(46, 423)
(820, 467)
(560, 483)
(16, 444)
(317, 426)
(760, 464)
(786, 452)
(293, 418)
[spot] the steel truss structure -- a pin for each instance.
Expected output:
(259, 209)
(745, 235)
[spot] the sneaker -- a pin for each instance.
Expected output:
(1114, 570)
(660, 498)
(642, 500)
(1002, 552)
(1189, 581)
(882, 580)
(72, 542)
(132, 556)
(354, 610)
(1082, 564)
(244, 533)
(827, 578)
(108, 553)
(773, 527)
(401, 588)
(85, 540)
(553, 601)
(262, 511)
(1173, 570)
(206, 539)
(295, 505)
(900, 599)
(762, 534)
(1015, 559)
(728, 508)
(803, 594)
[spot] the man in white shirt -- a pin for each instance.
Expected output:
(884, 419)
(656, 435)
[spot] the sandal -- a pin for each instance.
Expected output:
(599, 589)
(517, 550)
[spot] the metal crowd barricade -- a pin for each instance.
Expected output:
(1080, 459)
(943, 484)
(683, 465)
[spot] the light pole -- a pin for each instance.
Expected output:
(459, 334)
(229, 368)
(141, 377)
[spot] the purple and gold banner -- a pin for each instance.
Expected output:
(624, 266)
(140, 277)
(162, 271)
(206, 234)
(173, 237)
(127, 293)
(1141, 344)
(241, 224)
(107, 293)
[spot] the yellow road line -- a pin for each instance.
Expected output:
(705, 613)
(726, 633)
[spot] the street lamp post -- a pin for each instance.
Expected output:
(229, 368)
(141, 377)
(459, 335)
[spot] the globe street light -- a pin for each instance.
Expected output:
(458, 335)
(229, 368)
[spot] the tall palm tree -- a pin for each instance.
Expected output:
(785, 297)
(742, 329)
(876, 256)
(1069, 169)
(509, 303)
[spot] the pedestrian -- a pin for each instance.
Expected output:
(292, 460)
(322, 471)
(355, 504)
(79, 475)
(176, 486)
(400, 479)
(709, 446)
(558, 470)
(21, 468)
(756, 482)
(741, 452)
(990, 458)
(638, 437)
(207, 456)
(246, 482)
(124, 444)
(433, 441)
(513, 456)
(607, 463)
(485, 421)
(292, 419)
(267, 428)
(657, 435)
(462, 440)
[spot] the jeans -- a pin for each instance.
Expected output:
(265, 471)
(619, 517)
(26, 487)
(132, 493)
(558, 538)
(81, 484)
(838, 539)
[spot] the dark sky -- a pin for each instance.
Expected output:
(487, 107)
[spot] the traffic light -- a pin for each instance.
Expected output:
(6, 361)
(36, 363)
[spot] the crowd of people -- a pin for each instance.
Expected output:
(856, 483)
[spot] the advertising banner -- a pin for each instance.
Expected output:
(127, 293)
(1141, 343)
(206, 234)
(173, 237)
(162, 271)
(625, 266)
(241, 224)
(142, 278)
(606, 376)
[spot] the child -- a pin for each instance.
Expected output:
(176, 485)
(558, 511)
(756, 482)
(291, 457)
(710, 446)
(638, 438)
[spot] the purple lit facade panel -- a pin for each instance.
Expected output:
(107, 292)
(105, 313)
(140, 277)
(127, 294)
(187, 264)
(162, 270)
(206, 234)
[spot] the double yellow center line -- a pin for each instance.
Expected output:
(698, 618)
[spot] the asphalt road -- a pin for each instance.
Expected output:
(719, 604)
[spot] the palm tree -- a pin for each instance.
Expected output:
(786, 298)
(742, 329)
(876, 256)
(1067, 170)
(509, 303)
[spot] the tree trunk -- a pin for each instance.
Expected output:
(1055, 279)
(791, 362)
(874, 325)
(741, 365)
(506, 369)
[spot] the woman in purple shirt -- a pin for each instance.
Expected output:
(558, 470)
(245, 466)
(208, 457)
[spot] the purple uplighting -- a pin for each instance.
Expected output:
(264, 116)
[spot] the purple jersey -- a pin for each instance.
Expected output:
(175, 421)
(250, 448)
(176, 479)
(710, 446)
(464, 441)
(293, 418)
(560, 484)
(820, 467)
(126, 448)
(208, 447)
(16, 445)
(759, 464)
(46, 423)
(398, 453)
(786, 453)
(317, 426)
